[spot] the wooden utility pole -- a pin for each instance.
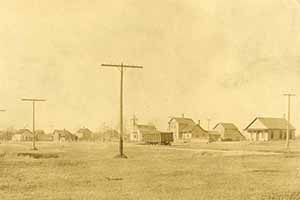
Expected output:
(33, 119)
(208, 123)
(121, 68)
(288, 119)
(134, 122)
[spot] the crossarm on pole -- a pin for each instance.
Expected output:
(125, 66)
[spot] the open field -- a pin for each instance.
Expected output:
(193, 171)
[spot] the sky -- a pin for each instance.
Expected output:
(230, 61)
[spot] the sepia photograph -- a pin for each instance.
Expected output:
(150, 100)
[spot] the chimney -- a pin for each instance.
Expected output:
(182, 115)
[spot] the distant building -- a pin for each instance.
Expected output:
(7, 135)
(42, 136)
(63, 136)
(84, 134)
(137, 135)
(214, 136)
(22, 135)
(194, 132)
(266, 129)
(228, 132)
(186, 129)
(179, 126)
(111, 135)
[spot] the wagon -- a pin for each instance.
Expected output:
(165, 138)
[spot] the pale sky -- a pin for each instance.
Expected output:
(228, 60)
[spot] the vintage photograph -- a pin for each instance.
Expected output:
(150, 100)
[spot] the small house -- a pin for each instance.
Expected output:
(180, 126)
(84, 134)
(144, 129)
(22, 135)
(63, 136)
(267, 129)
(194, 132)
(42, 136)
(228, 132)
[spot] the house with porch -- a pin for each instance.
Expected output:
(267, 129)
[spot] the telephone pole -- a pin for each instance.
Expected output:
(134, 122)
(288, 119)
(121, 69)
(33, 119)
(208, 123)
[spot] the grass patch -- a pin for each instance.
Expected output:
(90, 171)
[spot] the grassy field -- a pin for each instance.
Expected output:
(90, 171)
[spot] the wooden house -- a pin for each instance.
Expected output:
(22, 135)
(228, 132)
(42, 136)
(140, 130)
(63, 136)
(179, 126)
(266, 129)
(194, 132)
(84, 134)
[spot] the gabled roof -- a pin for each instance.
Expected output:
(190, 128)
(63, 132)
(272, 123)
(142, 127)
(182, 120)
(21, 131)
(227, 126)
(84, 130)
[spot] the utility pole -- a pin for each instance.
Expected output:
(288, 119)
(1, 110)
(208, 123)
(134, 122)
(121, 69)
(33, 119)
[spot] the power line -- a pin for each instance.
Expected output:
(121, 68)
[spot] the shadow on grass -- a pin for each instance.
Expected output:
(38, 155)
